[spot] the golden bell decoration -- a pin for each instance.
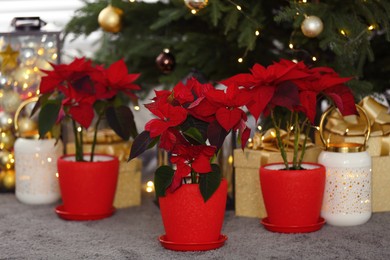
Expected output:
(110, 19)
(312, 26)
(196, 4)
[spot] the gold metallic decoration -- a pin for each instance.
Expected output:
(5, 157)
(10, 101)
(267, 141)
(110, 19)
(312, 26)
(7, 140)
(27, 126)
(345, 147)
(9, 180)
(6, 121)
(196, 4)
(9, 59)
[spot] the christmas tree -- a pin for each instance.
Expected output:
(219, 38)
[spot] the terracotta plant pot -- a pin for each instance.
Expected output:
(87, 188)
(190, 223)
(293, 198)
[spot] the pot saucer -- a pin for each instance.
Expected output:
(293, 229)
(192, 246)
(62, 213)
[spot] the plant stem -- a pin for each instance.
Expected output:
(193, 177)
(297, 133)
(95, 136)
(307, 130)
(78, 143)
(279, 140)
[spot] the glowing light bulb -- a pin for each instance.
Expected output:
(136, 108)
(230, 159)
(314, 58)
(343, 32)
(240, 60)
(193, 11)
(291, 46)
(257, 33)
(371, 27)
(149, 186)
(239, 8)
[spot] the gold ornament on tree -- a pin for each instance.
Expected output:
(110, 19)
(196, 4)
(312, 26)
(9, 59)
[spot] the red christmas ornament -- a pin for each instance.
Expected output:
(166, 61)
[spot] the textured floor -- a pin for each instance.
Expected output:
(35, 232)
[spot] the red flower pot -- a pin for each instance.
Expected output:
(189, 222)
(293, 198)
(87, 188)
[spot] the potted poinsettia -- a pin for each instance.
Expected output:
(85, 93)
(287, 93)
(192, 122)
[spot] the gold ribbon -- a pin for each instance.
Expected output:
(268, 141)
(352, 126)
(356, 125)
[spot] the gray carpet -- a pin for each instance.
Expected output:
(35, 232)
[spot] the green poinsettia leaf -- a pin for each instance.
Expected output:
(121, 120)
(141, 143)
(56, 132)
(48, 116)
(42, 100)
(192, 122)
(209, 182)
(162, 179)
(194, 134)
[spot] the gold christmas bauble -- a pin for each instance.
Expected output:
(5, 158)
(7, 140)
(312, 26)
(10, 101)
(9, 180)
(6, 121)
(196, 4)
(110, 19)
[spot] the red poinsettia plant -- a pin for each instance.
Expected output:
(193, 119)
(288, 93)
(86, 93)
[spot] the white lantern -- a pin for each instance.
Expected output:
(36, 175)
(347, 197)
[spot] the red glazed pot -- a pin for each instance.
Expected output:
(88, 188)
(188, 219)
(293, 198)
